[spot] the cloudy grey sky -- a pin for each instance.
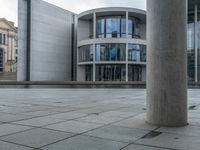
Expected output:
(8, 8)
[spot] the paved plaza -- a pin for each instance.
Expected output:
(89, 119)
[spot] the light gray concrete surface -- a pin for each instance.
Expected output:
(51, 42)
(89, 119)
(166, 59)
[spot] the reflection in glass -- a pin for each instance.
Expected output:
(110, 73)
(88, 73)
(1, 59)
(111, 27)
(110, 52)
(86, 53)
(135, 73)
(198, 42)
(136, 53)
(133, 28)
(190, 44)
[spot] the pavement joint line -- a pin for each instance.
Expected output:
(17, 144)
(74, 135)
(47, 124)
(33, 117)
(17, 132)
(149, 146)
(140, 138)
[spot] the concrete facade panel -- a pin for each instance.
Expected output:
(51, 42)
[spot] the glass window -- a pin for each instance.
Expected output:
(135, 73)
(110, 52)
(190, 44)
(136, 53)
(111, 27)
(4, 39)
(123, 30)
(110, 73)
(100, 28)
(86, 53)
(133, 28)
(1, 58)
(88, 73)
(198, 42)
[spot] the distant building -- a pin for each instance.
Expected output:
(112, 45)
(106, 44)
(8, 46)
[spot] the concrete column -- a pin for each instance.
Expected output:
(127, 24)
(127, 46)
(94, 65)
(94, 25)
(127, 62)
(166, 62)
(94, 47)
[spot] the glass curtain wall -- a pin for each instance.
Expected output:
(88, 72)
(134, 73)
(198, 41)
(111, 27)
(133, 28)
(115, 27)
(86, 53)
(110, 52)
(110, 72)
(191, 47)
(136, 53)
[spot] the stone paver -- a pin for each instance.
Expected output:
(6, 129)
(74, 126)
(173, 141)
(9, 146)
(36, 137)
(117, 133)
(86, 143)
(89, 119)
(100, 119)
(142, 147)
(39, 122)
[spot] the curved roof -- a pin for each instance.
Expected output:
(113, 11)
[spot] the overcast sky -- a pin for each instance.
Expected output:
(8, 8)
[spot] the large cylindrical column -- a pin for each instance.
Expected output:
(167, 62)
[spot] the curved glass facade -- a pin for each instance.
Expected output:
(86, 53)
(105, 60)
(135, 72)
(110, 52)
(115, 27)
(110, 72)
(111, 27)
(136, 53)
(193, 43)
(133, 28)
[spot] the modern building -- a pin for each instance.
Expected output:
(111, 45)
(194, 41)
(106, 44)
(8, 46)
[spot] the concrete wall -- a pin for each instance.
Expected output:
(22, 39)
(84, 29)
(51, 42)
(81, 73)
